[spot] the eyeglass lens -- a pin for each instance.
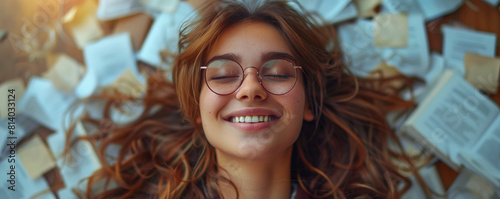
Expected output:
(224, 76)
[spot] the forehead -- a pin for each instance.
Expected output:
(249, 39)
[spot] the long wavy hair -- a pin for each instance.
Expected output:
(343, 153)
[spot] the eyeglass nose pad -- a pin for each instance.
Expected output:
(251, 91)
(256, 70)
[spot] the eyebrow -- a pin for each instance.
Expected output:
(266, 56)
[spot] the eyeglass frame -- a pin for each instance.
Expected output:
(295, 67)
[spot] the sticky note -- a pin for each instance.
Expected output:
(36, 157)
(482, 71)
(65, 73)
(391, 30)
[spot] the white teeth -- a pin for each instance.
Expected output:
(251, 119)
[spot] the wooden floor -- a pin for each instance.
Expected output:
(23, 18)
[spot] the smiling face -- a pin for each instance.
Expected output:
(272, 123)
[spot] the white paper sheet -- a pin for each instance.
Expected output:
(164, 35)
(25, 187)
(435, 69)
(492, 2)
(84, 160)
(113, 9)
(35, 157)
(163, 5)
(348, 12)
(24, 126)
(457, 42)
(106, 60)
(45, 104)
(431, 177)
(436, 8)
(330, 9)
(357, 44)
(82, 21)
(412, 60)
(65, 73)
(400, 6)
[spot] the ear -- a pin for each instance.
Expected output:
(308, 115)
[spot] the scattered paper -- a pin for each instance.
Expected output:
(329, 11)
(412, 60)
(80, 162)
(430, 175)
(391, 30)
(36, 157)
(24, 127)
(401, 6)
(435, 69)
(385, 71)
(127, 113)
(358, 47)
(168, 6)
(349, 12)
(436, 8)
(65, 73)
(46, 104)
(17, 93)
(84, 20)
(482, 72)
(492, 2)
(469, 185)
(366, 8)
(106, 60)
(114, 9)
(25, 187)
(137, 26)
(127, 84)
(457, 42)
(483, 158)
(164, 35)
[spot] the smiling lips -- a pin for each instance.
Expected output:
(252, 119)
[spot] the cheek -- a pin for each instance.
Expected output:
(210, 105)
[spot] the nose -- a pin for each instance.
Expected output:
(251, 89)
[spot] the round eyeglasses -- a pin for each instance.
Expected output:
(224, 76)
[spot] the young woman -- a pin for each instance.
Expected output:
(263, 107)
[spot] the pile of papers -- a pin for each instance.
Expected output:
(386, 35)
